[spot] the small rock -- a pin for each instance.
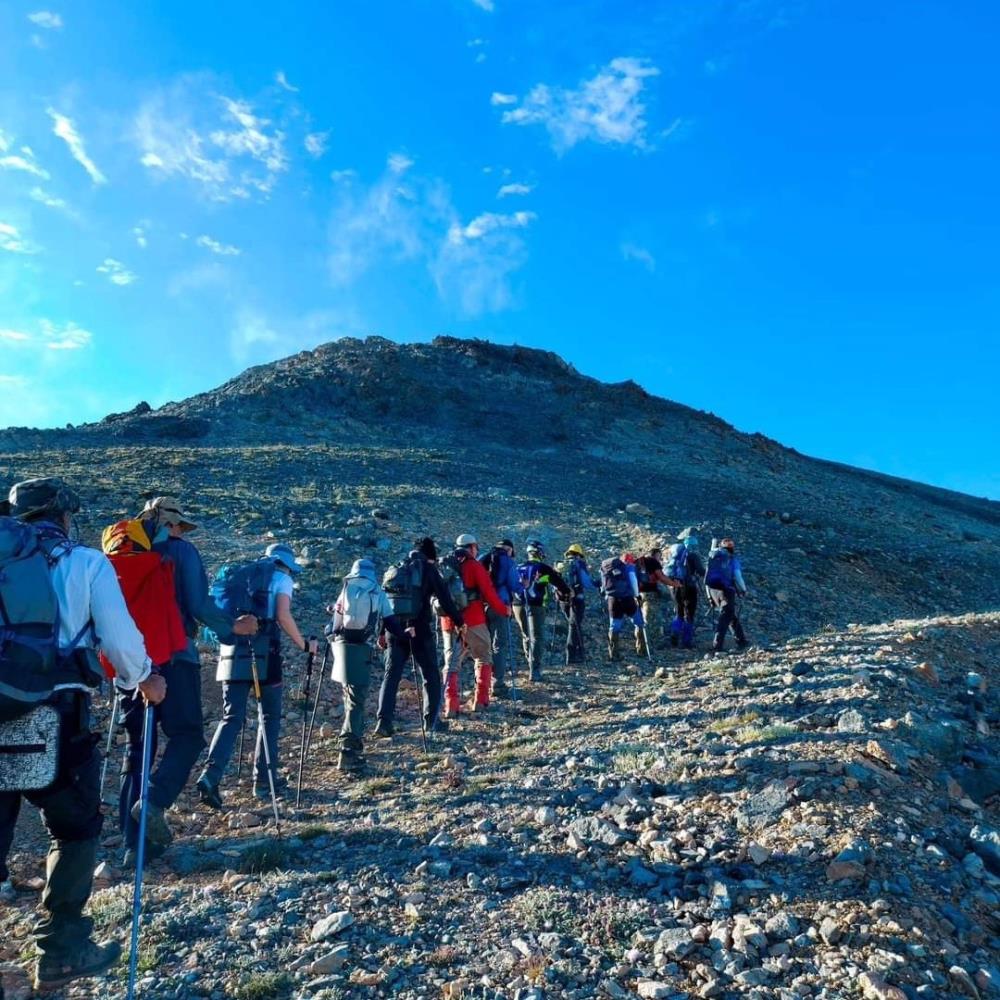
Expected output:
(926, 672)
(829, 931)
(331, 925)
(757, 854)
(545, 816)
(874, 987)
(963, 981)
(838, 871)
(851, 721)
(653, 990)
(675, 942)
(330, 962)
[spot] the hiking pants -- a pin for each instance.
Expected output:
(574, 637)
(686, 602)
(397, 660)
(235, 695)
(179, 715)
(727, 618)
(355, 697)
(620, 608)
(500, 638)
(531, 622)
(454, 650)
(652, 612)
(71, 810)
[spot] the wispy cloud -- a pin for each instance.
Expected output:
(639, 254)
(117, 273)
(64, 128)
(498, 100)
(514, 189)
(399, 163)
(489, 222)
(607, 108)
(139, 232)
(222, 249)
(21, 159)
(12, 241)
(64, 336)
(316, 143)
(488, 5)
(282, 81)
(14, 336)
(46, 19)
(220, 143)
(48, 200)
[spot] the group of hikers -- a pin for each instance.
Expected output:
(73, 617)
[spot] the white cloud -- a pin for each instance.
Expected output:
(64, 128)
(46, 19)
(222, 249)
(117, 272)
(316, 143)
(46, 199)
(282, 81)
(12, 241)
(22, 159)
(632, 251)
(489, 222)
(497, 99)
(512, 189)
(14, 336)
(139, 232)
(64, 336)
(399, 163)
(337, 176)
(488, 5)
(607, 108)
(220, 143)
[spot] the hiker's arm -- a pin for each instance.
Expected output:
(118, 638)
(481, 581)
(738, 578)
(555, 578)
(283, 616)
(634, 581)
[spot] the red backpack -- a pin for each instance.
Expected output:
(147, 582)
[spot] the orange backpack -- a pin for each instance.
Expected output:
(147, 582)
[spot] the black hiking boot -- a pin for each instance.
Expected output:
(158, 831)
(384, 731)
(441, 726)
(350, 761)
(500, 690)
(87, 959)
(742, 644)
(209, 793)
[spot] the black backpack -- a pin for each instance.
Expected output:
(403, 584)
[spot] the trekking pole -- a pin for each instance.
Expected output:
(510, 659)
(319, 691)
(140, 850)
(239, 758)
(262, 739)
(111, 740)
(305, 719)
(420, 699)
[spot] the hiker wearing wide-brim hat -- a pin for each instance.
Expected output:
(257, 662)
(180, 717)
(70, 593)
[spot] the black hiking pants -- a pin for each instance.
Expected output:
(397, 660)
(574, 638)
(71, 810)
(728, 618)
(686, 602)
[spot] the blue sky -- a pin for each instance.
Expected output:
(782, 211)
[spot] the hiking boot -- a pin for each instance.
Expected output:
(441, 726)
(742, 644)
(640, 645)
(209, 793)
(157, 830)
(500, 690)
(613, 654)
(674, 639)
(350, 761)
(383, 731)
(535, 676)
(87, 959)
(153, 853)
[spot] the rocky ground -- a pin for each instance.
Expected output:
(817, 819)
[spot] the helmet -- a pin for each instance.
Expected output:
(576, 550)
(728, 543)
(282, 553)
(463, 540)
(627, 557)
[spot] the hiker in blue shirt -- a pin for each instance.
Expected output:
(503, 572)
(577, 574)
(724, 581)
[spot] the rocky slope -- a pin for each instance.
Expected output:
(817, 818)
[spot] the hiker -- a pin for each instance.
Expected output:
(620, 587)
(271, 579)
(49, 579)
(651, 578)
(534, 579)
(724, 581)
(476, 588)
(499, 563)
(685, 568)
(411, 586)
(360, 614)
(180, 718)
(577, 576)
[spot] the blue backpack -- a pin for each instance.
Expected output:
(243, 589)
(528, 575)
(678, 568)
(721, 573)
(615, 580)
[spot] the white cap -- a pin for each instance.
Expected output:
(463, 540)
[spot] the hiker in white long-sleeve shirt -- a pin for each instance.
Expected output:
(92, 616)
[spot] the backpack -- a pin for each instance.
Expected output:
(495, 561)
(243, 589)
(31, 662)
(528, 575)
(721, 574)
(677, 569)
(403, 584)
(358, 609)
(615, 578)
(573, 577)
(642, 574)
(147, 582)
(451, 574)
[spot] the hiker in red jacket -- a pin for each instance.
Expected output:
(480, 590)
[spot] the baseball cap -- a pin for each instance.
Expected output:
(282, 553)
